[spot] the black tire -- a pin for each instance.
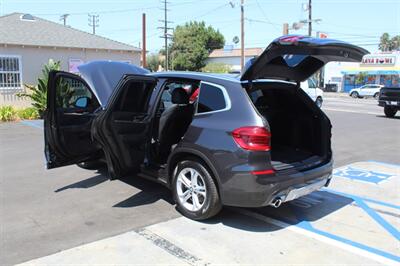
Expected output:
(92, 165)
(376, 95)
(354, 94)
(389, 111)
(211, 204)
(319, 101)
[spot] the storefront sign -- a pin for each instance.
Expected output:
(73, 65)
(378, 60)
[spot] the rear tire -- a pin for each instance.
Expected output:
(389, 111)
(195, 191)
(319, 101)
(354, 94)
(376, 95)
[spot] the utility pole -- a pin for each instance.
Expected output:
(285, 29)
(144, 40)
(64, 18)
(166, 36)
(309, 19)
(242, 35)
(93, 22)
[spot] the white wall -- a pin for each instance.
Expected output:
(233, 61)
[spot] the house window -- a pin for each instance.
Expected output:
(10, 72)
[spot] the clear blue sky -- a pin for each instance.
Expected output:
(357, 21)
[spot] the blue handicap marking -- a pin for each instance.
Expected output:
(362, 174)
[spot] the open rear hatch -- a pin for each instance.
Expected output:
(300, 131)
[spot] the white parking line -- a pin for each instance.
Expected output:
(350, 111)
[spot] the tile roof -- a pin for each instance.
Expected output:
(235, 52)
(41, 32)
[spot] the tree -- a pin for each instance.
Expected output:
(191, 45)
(389, 44)
(360, 78)
(154, 62)
(38, 93)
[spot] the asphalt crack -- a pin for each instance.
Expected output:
(170, 247)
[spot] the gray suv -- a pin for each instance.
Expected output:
(250, 141)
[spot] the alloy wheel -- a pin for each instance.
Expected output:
(191, 189)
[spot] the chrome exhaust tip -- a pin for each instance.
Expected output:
(276, 202)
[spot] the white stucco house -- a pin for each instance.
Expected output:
(28, 42)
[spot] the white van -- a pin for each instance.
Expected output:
(315, 93)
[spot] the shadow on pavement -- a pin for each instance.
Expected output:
(87, 183)
(309, 208)
(149, 193)
(394, 118)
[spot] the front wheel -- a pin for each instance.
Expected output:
(354, 94)
(389, 111)
(376, 95)
(318, 102)
(195, 191)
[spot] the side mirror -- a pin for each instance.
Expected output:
(82, 102)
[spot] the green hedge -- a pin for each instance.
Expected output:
(9, 113)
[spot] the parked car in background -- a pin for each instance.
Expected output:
(251, 141)
(389, 99)
(315, 93)
(368, 90)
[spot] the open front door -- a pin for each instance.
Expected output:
(67, 123)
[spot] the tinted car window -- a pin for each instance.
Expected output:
(69, 91)
(211, 99)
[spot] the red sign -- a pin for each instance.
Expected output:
(322, 35)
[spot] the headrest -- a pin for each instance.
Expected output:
(179, 96)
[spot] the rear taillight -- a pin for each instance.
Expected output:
(253, 138)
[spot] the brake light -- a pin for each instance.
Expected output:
(290, 39)
(253, 138)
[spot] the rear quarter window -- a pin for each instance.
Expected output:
(211, 99)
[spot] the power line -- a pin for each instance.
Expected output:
(93, 21)
(166, 35)
(63, 18)
(265, 15)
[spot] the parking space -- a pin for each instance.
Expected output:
(70, 215)
(324, 227)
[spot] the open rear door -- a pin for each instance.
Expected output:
(296, 58)
(67, 123)
(123, 129)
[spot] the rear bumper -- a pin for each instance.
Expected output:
(391, 103)
(247, 190)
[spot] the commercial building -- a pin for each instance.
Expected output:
(231, 57)
(377, 68)
(28, 42)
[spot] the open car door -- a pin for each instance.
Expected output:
(296, 58)
(71, 106)
(123, 129)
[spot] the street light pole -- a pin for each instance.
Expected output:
(242, 35)
(309, 19)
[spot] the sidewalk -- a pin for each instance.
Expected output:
(336, 95)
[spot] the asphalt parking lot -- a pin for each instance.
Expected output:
(74, 216)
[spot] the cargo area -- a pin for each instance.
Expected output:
(300, 131)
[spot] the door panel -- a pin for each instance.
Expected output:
(125, 125)
(70, 112)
